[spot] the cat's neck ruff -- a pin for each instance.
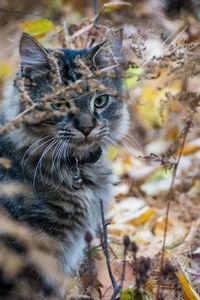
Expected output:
(74, 163)
(91, 157)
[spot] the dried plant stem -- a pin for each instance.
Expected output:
(95, 6)
(17, 119)
(123, 268)
(116, 287)
(168, 198)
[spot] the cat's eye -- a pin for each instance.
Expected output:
(101, 101)
(56, 106)
(60, 105)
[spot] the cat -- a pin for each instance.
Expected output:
(59, 165)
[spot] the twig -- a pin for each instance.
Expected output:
(168, 198)
(104, 239)
(12, 124)
(95, 6)
(126, 241)
(88, 239)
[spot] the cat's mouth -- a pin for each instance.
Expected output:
(83, 144)
(81, 150)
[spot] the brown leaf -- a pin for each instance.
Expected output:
(108, 7)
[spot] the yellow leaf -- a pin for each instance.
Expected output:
(37, 27)
(188, 292)
(189, 149)
(108, 7)
(149, 285)
(172, 133)
(176, 231)
(111, 152)
(120, 230)
(5, 70)
(194, 192)
(123, 165)
(133, 76)
(143, 216)
(148, 107)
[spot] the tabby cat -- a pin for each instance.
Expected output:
(59, 171)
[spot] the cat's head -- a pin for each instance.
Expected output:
(100, 118)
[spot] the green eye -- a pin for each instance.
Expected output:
(56, 106)
(60, 105)
(101, 101)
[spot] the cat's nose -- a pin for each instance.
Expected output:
(86, 130)
(85, 123)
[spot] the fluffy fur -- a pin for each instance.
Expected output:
(40, 153)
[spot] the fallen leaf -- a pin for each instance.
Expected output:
(134, 294)
(37, 27)
(142, 216)
(5, 70)
(188, 291)
(120, 230)
(108, 7)
(194, 192)
(124, 210)
(148, 107)
(176, 231)
(123, 165)
(158, 182)
(188, 149)
(134, 74)
(131, 211)
(121, 190)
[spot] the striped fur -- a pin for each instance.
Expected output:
(37, 189)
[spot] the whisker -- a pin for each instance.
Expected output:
(52, 164)
(63, 155)
(133, 143)
(36, 150)
(43, 155)
(54, 154)
(132, 146)
(59, 160)
(57, 157)
(40, 160)
(29, 148)
(119, 147)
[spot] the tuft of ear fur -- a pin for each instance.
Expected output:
(109, 52)
(31, 52)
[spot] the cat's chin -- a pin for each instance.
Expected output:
(83, 149)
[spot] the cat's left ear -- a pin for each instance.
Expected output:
(31, 52)
(108, 52)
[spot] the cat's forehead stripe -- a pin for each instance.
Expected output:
(70, 55)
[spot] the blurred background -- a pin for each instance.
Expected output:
(162, 62)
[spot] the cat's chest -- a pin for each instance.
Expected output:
(82, 212)
(81, 204)
(97, 183)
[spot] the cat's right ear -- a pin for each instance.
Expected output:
(31, 52)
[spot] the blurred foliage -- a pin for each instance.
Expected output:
(161, 88)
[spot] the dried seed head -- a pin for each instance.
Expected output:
(126, 241)
(133, 247)
(88, 237)
(168, 269)
(144, 264)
